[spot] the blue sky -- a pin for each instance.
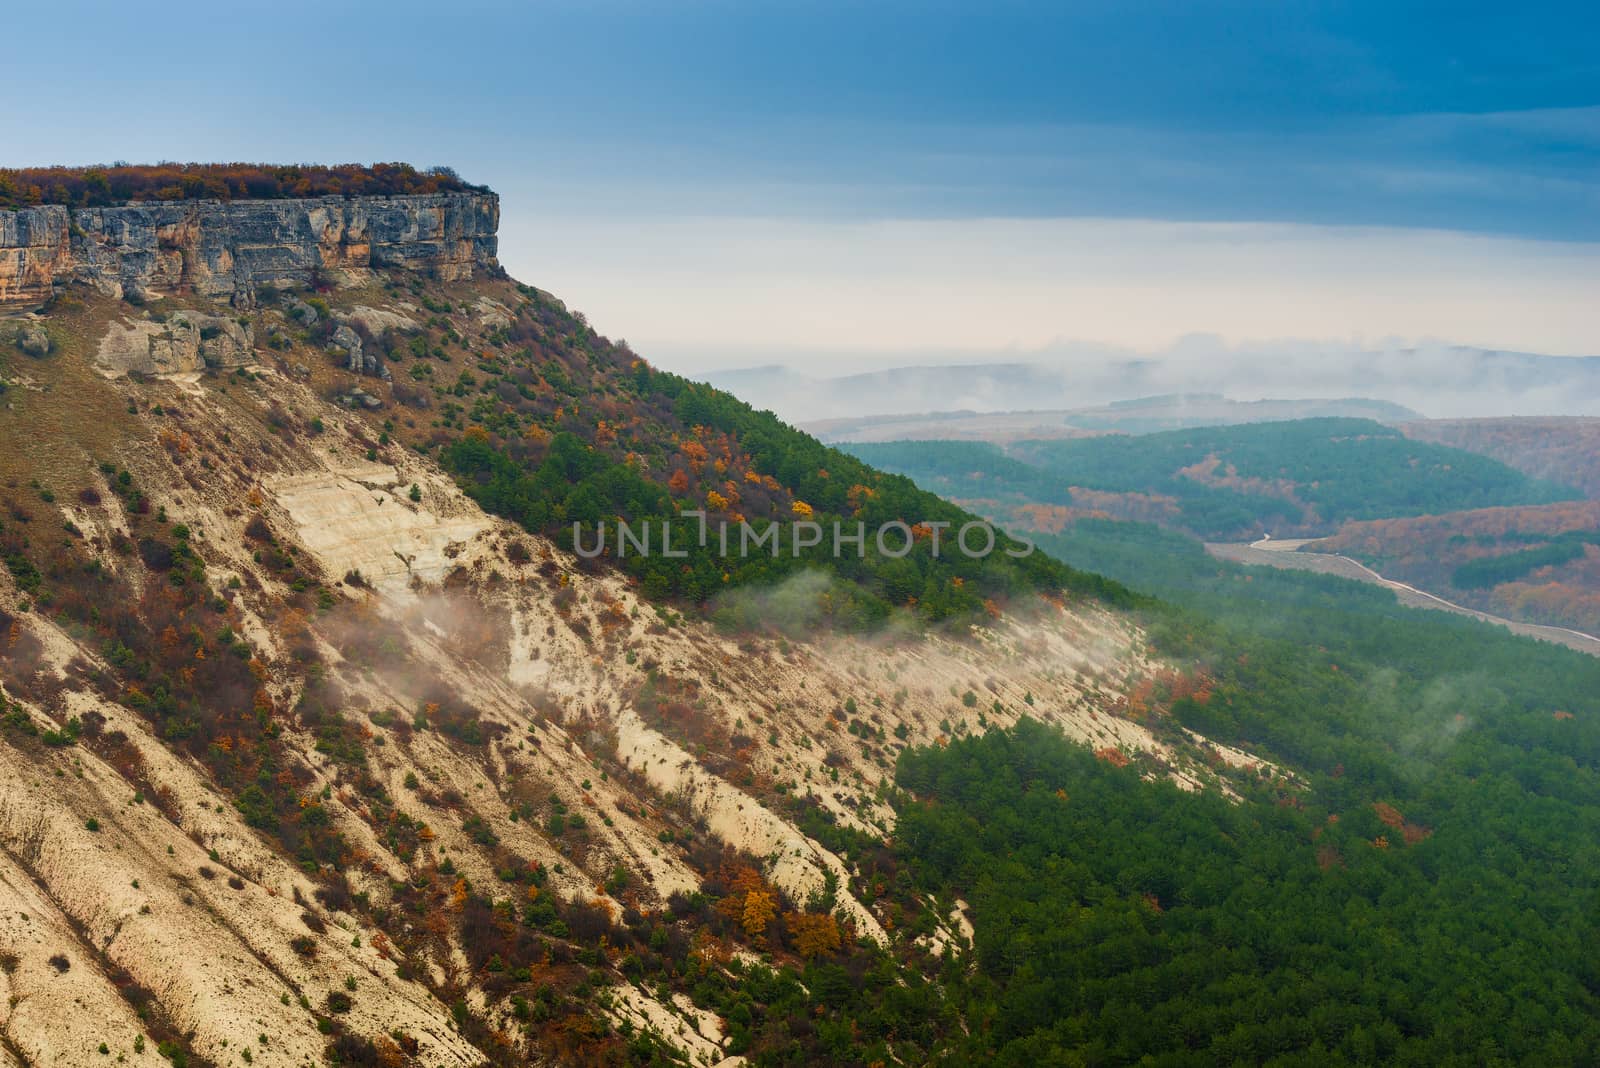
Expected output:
(844, 123)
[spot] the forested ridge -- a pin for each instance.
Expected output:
(1232, 482)
(1427, 892)
(1491, 571)
(1562, 449)
(1419, 885)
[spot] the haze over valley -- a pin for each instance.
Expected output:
(1434, 381)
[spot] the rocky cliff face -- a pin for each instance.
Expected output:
(225, 249)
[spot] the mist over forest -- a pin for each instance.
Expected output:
(1433, 380)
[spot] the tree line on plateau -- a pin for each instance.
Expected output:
(123, 183)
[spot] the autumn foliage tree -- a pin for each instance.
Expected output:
(750, 902)
(81, 187)
(815, 934)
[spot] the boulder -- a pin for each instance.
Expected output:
(34, 341)
(360, 360)
(224, 342)
(302, 312)
(376, 321)
(360, 398)
(349, 342)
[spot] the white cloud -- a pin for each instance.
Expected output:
(725, 287)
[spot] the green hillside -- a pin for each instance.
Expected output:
(551, 424)
(1424, 892)
(1223, 483)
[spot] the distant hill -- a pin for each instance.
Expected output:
(1562, 450)
(1143, 415)
(1439, 381)
(972, 387)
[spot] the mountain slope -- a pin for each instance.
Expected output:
(570, 427)
(317, 744)
(308, 755)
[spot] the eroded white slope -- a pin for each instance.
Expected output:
(558, 663)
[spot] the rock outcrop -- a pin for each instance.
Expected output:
(187, 341)
(226, 249)
(358, 359)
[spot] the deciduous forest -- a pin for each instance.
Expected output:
(122, 183)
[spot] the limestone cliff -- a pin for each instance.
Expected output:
(225, 249)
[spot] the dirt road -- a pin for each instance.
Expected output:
(1283, 553)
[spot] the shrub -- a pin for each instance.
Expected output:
(350, 1049)
(157, 555)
